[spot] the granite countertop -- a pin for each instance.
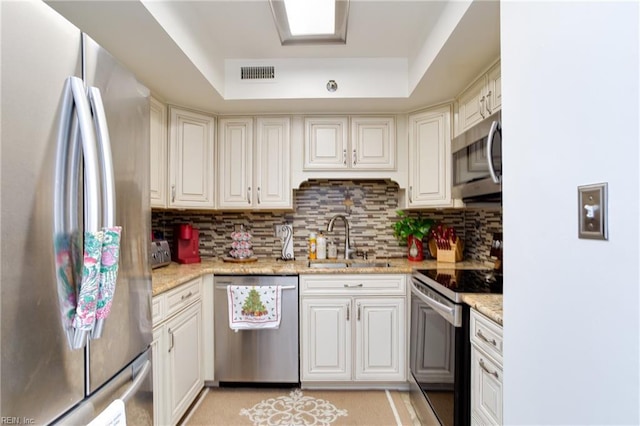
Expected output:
(487, 304)
(168, 277)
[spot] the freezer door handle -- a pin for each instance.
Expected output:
(137, 382)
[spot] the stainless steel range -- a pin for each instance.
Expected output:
(439, 341)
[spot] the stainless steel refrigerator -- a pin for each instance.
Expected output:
(52, 187)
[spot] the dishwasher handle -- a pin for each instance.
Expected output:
(225, 285)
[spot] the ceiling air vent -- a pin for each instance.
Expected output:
(257, 73)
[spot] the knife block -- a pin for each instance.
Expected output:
(451, 256)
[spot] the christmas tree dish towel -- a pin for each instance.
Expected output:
(254, 307)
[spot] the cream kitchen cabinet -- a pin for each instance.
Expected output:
(158, 153)
(191, 159)
(430, 159)
(350, 143)
(177, 351)
(254, 169)
(486, 370)
(482, 98)
(353, 328)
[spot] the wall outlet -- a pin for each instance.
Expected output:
(279, 230)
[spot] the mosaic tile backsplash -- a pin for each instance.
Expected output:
(370, 207)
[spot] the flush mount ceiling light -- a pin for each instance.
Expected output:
(311, 21)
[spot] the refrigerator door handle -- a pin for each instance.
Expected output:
(89, 153)
(105, 158)
(75, 122)
(137, 382)
(107, 178)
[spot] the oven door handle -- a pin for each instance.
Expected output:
(447, 312)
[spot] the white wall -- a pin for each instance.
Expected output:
(571, 307)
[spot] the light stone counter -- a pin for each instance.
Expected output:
(168, 277)
(487, 304)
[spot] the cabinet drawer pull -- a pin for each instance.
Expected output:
(173, 193)
(344, 157)
(249, 195)
(258, 194)
(482, 337)
(348, 313)
(484, 367)
(186, 296)
(481, 105)
(358, 312)
(171, 344)
(354, 285)
(488, 108)
(355, 157)
(410, 194)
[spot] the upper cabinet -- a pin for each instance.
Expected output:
(430, 158)
(326, 143)
(191, 159)
(481, 99)
(158, 153)
(254, 167)
(371, 145)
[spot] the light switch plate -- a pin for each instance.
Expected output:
(592, 211)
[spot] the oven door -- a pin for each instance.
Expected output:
(439, 360)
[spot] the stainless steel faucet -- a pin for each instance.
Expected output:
(348, 251)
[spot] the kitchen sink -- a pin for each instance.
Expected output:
(327, 265)
(334, 265)
(369, 265)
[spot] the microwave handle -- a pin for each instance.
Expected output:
(495, 127)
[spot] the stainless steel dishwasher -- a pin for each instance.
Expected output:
(256, 356)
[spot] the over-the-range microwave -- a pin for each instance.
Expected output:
(477, 162)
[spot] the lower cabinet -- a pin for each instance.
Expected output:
(178, 374)
(486, 370)
(353, 328)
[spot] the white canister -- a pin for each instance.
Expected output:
(321, 244)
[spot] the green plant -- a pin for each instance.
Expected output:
(417, 226)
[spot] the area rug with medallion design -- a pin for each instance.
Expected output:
(276, 407)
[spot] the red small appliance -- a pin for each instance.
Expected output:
(186, 244)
